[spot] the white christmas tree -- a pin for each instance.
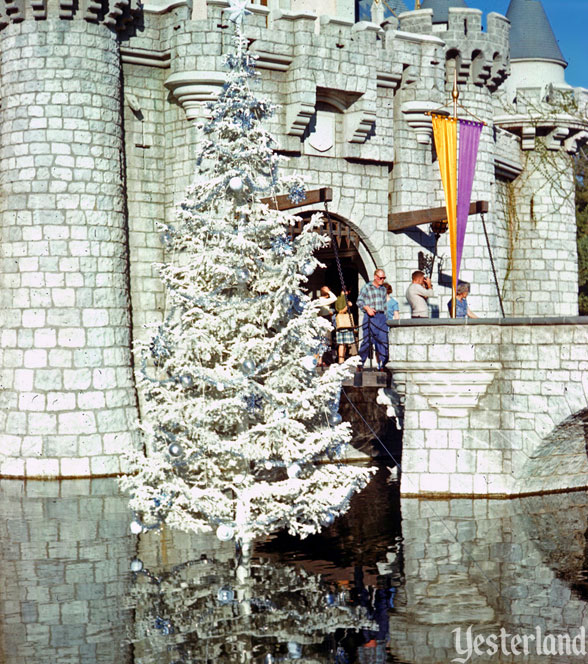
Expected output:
(237, 421)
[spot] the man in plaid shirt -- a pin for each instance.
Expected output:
(372, 301)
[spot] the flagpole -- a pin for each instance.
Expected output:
(455, 97)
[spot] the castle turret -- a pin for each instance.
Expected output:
(68, 401)
(535, 56)
(539, 203)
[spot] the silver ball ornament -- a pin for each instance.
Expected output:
(236, 184)
(269, 465)
(165, 238)
(294, 650)
(243, 275)
(175, 450)
(136, 565)
(225, 595)
(328, 520)
(248, 367)
(186, 380)
(308, 269)
(334, 419)
(225, 533)
(136, 527)
(293, 470)
(287, 299)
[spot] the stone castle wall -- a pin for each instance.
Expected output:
(98, 135)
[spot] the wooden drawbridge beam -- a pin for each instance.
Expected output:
(401, 220)
(314, 196)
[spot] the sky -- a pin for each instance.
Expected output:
(569, 20)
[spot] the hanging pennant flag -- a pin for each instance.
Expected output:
(445, 133)
(457, 184)
(469, 139)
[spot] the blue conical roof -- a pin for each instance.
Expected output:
(531, 35)
(440, 7)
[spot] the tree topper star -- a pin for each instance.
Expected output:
(237, 11)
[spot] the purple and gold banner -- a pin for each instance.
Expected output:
(445, 133)
(457, 175)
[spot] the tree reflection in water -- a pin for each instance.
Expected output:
(203, 611)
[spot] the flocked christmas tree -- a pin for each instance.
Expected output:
(237, 421)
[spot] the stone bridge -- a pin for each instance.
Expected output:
(490, 406)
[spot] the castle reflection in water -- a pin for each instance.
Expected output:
(389, 582)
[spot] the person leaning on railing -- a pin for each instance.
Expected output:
(392, 308)
(462, 308)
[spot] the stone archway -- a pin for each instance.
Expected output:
(358, 407)
(352, 252)
(562, 453)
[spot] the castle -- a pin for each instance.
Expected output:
(98, 127)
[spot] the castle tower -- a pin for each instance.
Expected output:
(480, 62)
(540, 214)
(68, 402)
(536, 59)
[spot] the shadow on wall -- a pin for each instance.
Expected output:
(564, 452)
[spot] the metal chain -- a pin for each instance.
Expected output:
(340, 271)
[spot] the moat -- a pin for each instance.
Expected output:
(390, 581)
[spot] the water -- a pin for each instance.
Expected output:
(390, 582)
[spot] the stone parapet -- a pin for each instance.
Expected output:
(520, 429)
(508, 162)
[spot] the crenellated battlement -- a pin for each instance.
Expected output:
(420, 21)
(115, 14)
(480, 57)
